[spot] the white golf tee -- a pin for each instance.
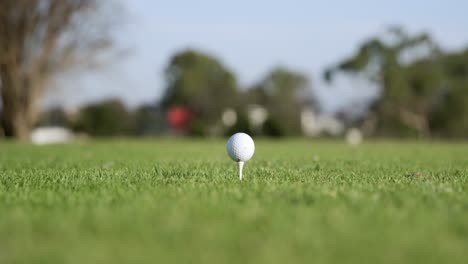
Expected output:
(241, 166)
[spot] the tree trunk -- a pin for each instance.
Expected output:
(16, 125)
(18, 106)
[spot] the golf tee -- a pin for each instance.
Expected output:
(241, 165)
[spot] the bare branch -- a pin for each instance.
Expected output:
(38, 38)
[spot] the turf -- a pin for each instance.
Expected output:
(180, 201)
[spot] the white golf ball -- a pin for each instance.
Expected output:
(240, 147)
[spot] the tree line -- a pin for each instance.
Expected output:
(423, 88)
(201, 84)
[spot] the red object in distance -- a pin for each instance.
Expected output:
(179, 117)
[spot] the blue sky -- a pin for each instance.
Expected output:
(251, 37)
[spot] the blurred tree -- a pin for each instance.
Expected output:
(203, 84)
(409, 71)
(39, 38)
(106, 118)
(149, 120)
(283, 93)
(54, 117)
(449, 117)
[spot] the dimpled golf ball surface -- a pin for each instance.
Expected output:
(240, 147)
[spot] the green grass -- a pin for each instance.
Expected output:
(166, 201)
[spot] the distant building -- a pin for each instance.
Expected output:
(314, 124)
(257, 115)
(229, 117)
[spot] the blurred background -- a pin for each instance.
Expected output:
(88, 68)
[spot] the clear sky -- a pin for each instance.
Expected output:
(251, 37)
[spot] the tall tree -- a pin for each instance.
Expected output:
(202, 83)
(39, 38)
(407, 68)
(283, 93)
(105, 118)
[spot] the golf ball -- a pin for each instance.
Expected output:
(240, 147)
